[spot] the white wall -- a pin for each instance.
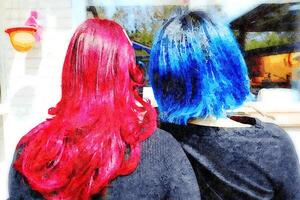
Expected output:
(1, 92)
(31, 82)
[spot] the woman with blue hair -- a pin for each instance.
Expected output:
(197, 73)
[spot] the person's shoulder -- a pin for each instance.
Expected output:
(266, 131)
(284, 155)
(175, 171)
(277, 133)
(160, 145)
(282, 146)
(164, 138)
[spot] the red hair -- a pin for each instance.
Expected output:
(99, 122)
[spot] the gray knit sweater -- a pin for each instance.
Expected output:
(163, 173)
(250, 163)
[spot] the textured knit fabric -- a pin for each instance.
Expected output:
(248, 163)
(164, 172)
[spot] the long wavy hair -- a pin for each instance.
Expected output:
(196, 69)
(98, 125)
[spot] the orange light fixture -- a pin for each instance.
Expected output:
(22, 37)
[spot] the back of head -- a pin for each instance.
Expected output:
(196, 69)
(99, 118)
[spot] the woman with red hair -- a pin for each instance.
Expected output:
(101, 131)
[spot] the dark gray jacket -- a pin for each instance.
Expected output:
(251, 163)
(164, 172)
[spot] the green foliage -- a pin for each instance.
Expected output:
(268, 39)
(146, 22)
(143, 36)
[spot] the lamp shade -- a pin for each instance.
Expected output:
(22, 37)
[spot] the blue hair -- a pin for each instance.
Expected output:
(196, 69)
